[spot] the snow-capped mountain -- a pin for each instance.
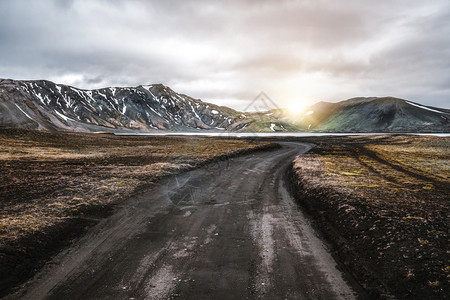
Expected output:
(43, 104)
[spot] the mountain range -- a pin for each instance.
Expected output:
(42, 104)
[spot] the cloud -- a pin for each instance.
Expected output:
(227, 52)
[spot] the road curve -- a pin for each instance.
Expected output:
(229, 230)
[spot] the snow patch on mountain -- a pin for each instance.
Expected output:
(63, 116)
(23, 112)
(424, 107)
(58, 87)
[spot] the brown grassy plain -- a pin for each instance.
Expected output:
(53, 185)
(383, 202)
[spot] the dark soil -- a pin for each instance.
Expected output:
(387, 219)
(55, 185)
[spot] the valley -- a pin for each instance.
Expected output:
(224, 150)
(270, 221)
(89, 168)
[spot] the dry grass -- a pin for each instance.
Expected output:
(388, 198)
(49, 177)
(54, 180)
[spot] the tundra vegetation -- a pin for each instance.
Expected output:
(383, 203)
(53, 185)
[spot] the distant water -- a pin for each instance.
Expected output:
(266, 134)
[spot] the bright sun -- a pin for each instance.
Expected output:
(296, 107)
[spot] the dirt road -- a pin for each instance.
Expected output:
(229, 230)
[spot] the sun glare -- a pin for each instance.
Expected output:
(296, 107)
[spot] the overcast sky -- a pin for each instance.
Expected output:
(227, 52)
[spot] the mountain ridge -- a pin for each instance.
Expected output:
(386, 114)
(45, 105)
(42, 104)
